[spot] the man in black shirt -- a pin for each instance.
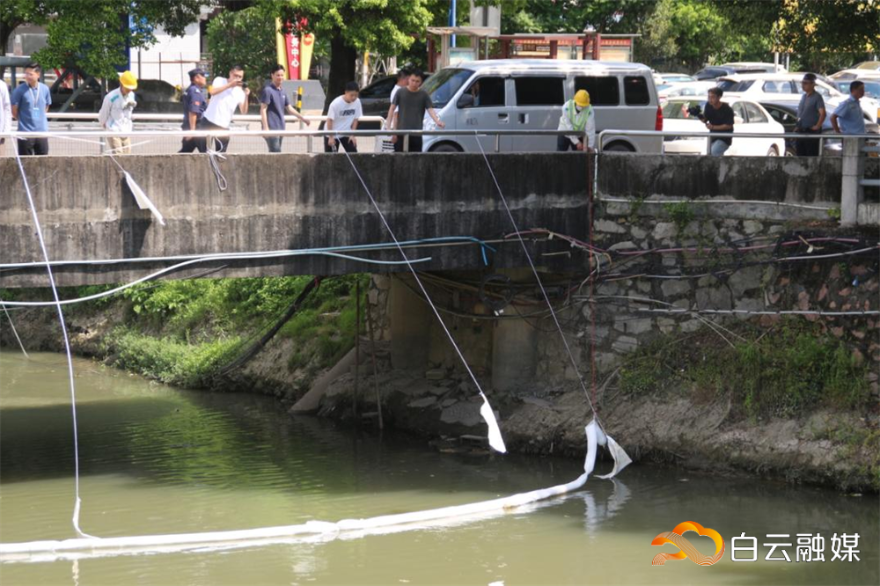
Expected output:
(718, 117)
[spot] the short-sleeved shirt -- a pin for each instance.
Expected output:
(850, 117)
(343, 114)
(195, 100)
(411, 108)
(222, 106)
(808, 110)
(32, 103)
(5, 108)
(276, 101)
(722, 115)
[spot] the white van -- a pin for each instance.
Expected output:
(528, 94)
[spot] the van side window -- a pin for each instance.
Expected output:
(487, 91)
(635, 90)
(539, 91)
(604, 91)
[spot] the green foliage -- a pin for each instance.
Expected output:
(686, 34)
(786, 373)
(245, 38)
(166, 359)
(572, 16)
(93, 35)
(833, 213)
(681, 213)
(837, 26)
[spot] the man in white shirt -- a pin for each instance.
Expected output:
(115, 114)
(226, 96)
(342, 115)
(5, 111)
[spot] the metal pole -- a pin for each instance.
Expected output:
(357, 343)
(375, 367)
(406, 143)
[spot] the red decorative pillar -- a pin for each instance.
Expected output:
(554, 47)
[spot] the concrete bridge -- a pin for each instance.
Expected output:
(292, 201)
(284, 202)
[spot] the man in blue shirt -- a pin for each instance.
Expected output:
(195, 101)
(30, 102)
(273, 105)
(847, 118)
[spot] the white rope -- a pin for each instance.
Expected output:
(312, 531)
(14, 332)
(540, 283)
(177, 266)
(495, 439)
(213, 155)
(33, 207)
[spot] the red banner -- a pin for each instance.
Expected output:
(293, 55)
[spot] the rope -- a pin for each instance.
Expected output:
(213, 155)
(488, 415)
(264, 339)
(590, 400)
(33, 208)
(14, 332)
(199, 260)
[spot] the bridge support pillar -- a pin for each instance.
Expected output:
(514, 355)
(410, 323)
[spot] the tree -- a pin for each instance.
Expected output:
(686, 34)
(380, 26)
(807, 27)
(573, 16)
(94, 35)
(245, 38)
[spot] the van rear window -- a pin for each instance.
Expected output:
(604, 91)
(635, 90)
(539, 91)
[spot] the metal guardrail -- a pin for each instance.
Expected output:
(708, 137)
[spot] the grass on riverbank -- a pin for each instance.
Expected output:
(181, 331)
(791, 369)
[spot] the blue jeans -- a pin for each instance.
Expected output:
(718, 148)
(274, 143)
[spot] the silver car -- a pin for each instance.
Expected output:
(528, 94)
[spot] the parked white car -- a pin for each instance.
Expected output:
(690, 89)
(528, 94)
(749, 117)
(768, 67)
(780, 86)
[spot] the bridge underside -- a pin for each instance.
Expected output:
(286, 202)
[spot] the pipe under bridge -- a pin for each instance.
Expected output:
(445, 205)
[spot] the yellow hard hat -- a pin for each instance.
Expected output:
(128, 80)
(582, 98)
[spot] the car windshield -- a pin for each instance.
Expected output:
(443, 85)
(678, 110)
(875, 65)
(729, 85)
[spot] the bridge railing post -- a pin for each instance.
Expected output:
(851, 192)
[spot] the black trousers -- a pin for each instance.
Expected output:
(33, 146)
(345, 141)
(191, 145)
(563, 143)
(807, 147)
(415, 144)
(220, 144)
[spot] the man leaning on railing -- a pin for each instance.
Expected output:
(115, 114)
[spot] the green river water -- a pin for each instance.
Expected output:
(160, 460)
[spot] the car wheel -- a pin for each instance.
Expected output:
(790, 151)
(446, 148)
(773, 152)
(618, 148)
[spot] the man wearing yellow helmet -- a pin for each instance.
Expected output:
(577, 115)
(115, 114)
